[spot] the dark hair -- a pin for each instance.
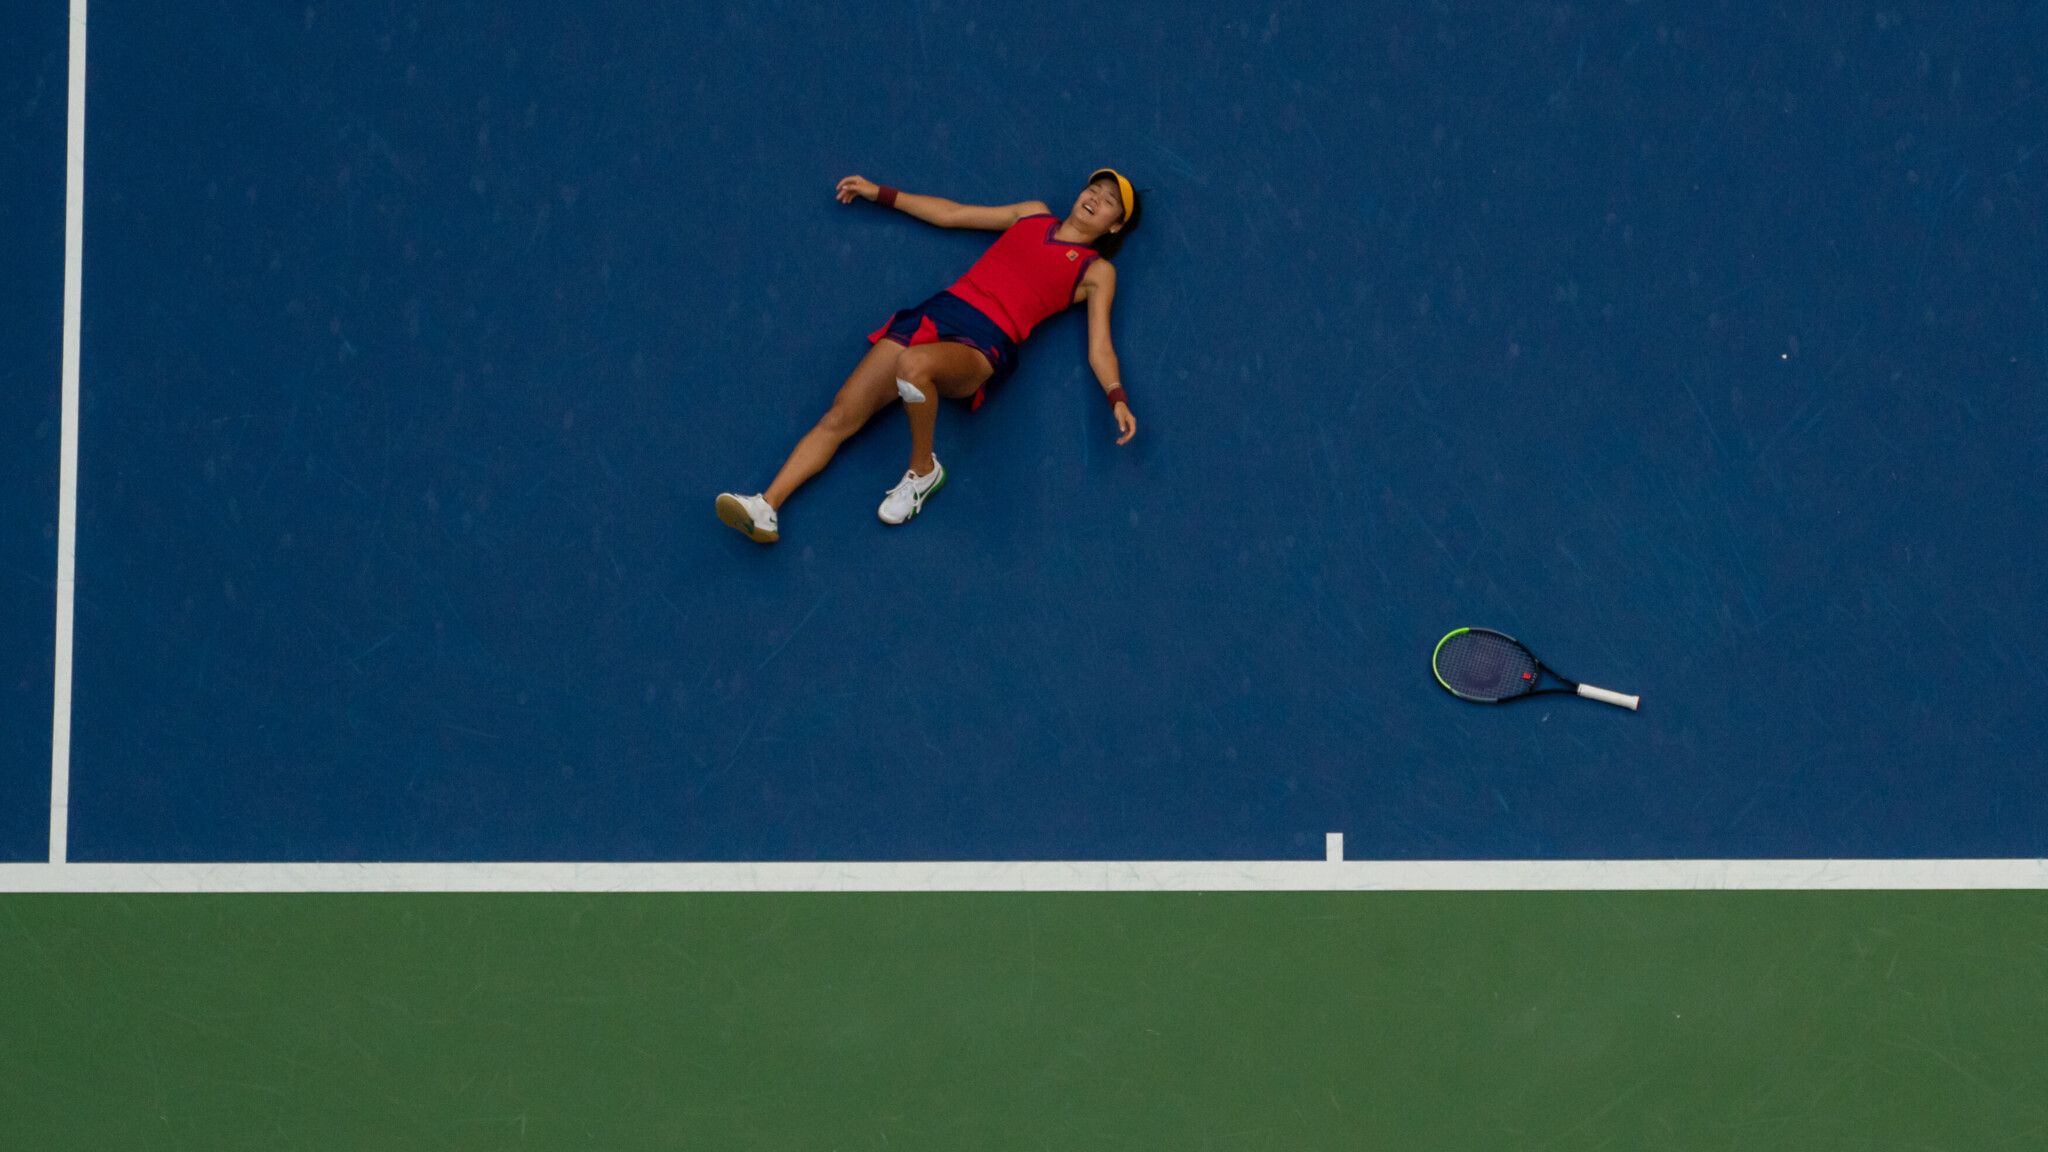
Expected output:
(1109, 242)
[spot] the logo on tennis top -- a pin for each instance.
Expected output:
(1073, 255)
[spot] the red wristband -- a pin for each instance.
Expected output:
(1116, 396)
(886, 197)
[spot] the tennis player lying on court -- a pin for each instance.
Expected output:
(957, 343)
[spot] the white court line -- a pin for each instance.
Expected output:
(67, 465)
(1042, 876)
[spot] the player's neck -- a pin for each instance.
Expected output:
(1070, 233)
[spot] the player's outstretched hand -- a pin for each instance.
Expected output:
(857, 188)
(1126, 423)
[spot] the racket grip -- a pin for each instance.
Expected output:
(1606, 697)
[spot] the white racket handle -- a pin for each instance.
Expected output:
(1606, 697)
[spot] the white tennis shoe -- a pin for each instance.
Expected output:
(751, 515)
(907, 498)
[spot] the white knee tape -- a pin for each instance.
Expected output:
(908, 391)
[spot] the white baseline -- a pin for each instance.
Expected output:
(1041, 876)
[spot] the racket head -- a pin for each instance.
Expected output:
(1484, 666)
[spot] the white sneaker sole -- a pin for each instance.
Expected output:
(735, 514)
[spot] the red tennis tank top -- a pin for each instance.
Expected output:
(1025, 276)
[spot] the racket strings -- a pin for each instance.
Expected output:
(1485, 666)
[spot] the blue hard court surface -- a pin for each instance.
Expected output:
(1702, 346)
(32, 100)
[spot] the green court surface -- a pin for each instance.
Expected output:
(1731, 1020)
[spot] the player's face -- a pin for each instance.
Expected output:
(1100, 205)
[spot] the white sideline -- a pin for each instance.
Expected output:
(67, 461)
(1040, 876)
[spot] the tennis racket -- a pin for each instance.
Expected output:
(1489, 667)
